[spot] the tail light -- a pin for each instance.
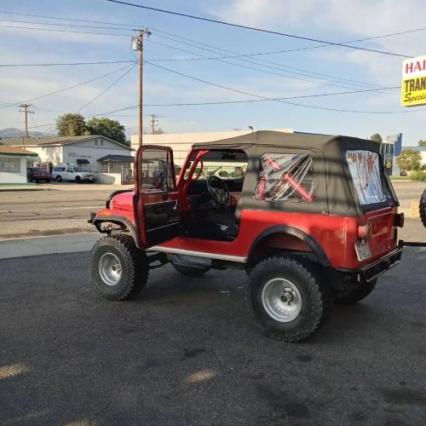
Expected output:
(364, 232)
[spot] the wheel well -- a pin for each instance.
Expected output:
(112, 225)
(287, 240)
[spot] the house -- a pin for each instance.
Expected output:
(110, 159)
(13, 164)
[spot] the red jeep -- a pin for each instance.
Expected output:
(311, 218)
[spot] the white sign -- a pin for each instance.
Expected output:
(413, 89)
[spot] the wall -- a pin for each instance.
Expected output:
(48, 154)
(92, 150)
(181, 143)
(21, 177)
(109, 178)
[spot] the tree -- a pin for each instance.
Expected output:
(376, 137)
(109, 128)
(409, 160)
(71, 125)
(422, 143)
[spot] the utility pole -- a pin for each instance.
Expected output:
(155, 119)
(138, 45)
(26, 111)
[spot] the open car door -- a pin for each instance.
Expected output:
(156, 199)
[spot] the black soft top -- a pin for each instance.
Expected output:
(310, 141)
(335, 190)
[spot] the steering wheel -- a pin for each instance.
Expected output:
(218, 190)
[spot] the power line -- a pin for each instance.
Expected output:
(131, 26)
(262, 30)
(107, 88)
(63, 89)
(61, 64)
(221, 86)
(339, 81)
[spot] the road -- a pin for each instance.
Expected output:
(187, 352)
(66, 208)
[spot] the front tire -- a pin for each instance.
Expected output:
(357, 294)
(58, 178)
(119, 269)
(77, 179)
(287, 298)
(422, 208)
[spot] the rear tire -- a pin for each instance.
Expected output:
(58, 178)
(119, 269)
(422, 208)
(190, 271)
(288, 299)
(357, 294)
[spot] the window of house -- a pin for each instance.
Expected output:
(157, 171)
(10, 165)
(285, 177)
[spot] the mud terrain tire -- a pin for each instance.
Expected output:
(288, 298)
(422, 208)
(118, 268)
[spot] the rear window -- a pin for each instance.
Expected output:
(369, 184)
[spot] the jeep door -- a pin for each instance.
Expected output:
(156, 204)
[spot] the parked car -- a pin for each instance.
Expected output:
(37, 174)
(72, 174)
(312, 219)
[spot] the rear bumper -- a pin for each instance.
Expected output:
(374, 269)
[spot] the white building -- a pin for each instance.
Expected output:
(181, 142)
(110, 159)
(13, 164)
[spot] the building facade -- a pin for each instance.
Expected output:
(13, 164)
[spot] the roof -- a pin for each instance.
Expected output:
(16, 151)
(117, 158)
(269, 138)
(56, 141)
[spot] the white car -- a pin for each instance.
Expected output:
(73, 174)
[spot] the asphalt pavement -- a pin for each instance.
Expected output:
(187, 352)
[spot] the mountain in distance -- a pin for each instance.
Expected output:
(12, 132)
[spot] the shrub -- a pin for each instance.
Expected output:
(418, 176)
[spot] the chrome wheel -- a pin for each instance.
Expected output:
(281, 300)
(110, 269)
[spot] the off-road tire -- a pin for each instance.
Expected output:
(315, 297)
(59, 179)
(422, 208)
(357, 294)
(134, 264)
(189, 270)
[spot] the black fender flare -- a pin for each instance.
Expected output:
(295, 232)
(97, 220)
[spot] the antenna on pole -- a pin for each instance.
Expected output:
(137, 44)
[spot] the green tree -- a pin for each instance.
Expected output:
(376, 137)
(71, 125)
(422, 143)
(109, 128)
(409, 160)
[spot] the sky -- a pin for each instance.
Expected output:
(186, 46)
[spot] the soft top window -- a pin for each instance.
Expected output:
(364, 167)
(285, 177)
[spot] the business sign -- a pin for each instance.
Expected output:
(413, 90)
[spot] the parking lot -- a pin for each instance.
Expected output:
(187, 352)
